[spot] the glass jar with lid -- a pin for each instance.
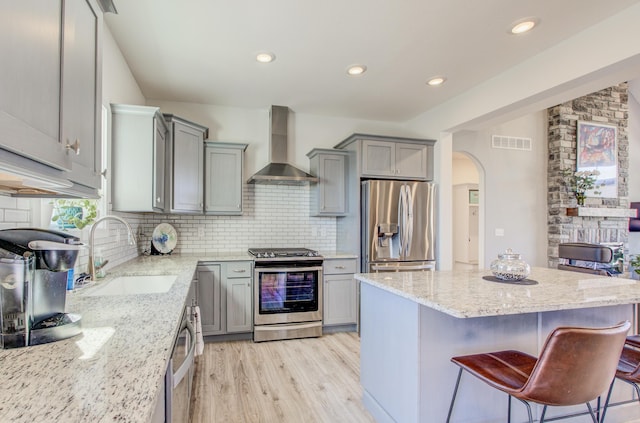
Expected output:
(509, 266)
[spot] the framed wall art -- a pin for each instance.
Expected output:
(597, 150)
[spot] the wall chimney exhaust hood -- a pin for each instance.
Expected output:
(278, 171)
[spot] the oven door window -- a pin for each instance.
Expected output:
(288, 292)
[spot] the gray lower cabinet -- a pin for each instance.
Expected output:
(138, 158)
(329, 194)
(209, 297)
(340, 301)
(238, 286)
(185, 165)
(223, 178)
(224, 292)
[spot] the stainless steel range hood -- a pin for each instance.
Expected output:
(278, 171)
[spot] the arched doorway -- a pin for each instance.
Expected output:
(467, 211)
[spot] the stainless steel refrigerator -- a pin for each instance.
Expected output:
(397, 226)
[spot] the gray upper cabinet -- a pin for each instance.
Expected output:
(82, 90)
(138, 158)
(30, 80)
(329, 194)
(395, 160)
(185, 165)
(223, 178)
(387, 157)
(50, 84)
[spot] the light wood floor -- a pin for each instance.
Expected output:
(299, 380)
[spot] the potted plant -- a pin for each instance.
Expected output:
(634, 266)
(580, 182)
(69, 214)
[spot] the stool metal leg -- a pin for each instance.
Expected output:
(593, 416)
(528, 410)
(606, 403)
(509, 410)
(544, 411)
(455, 392)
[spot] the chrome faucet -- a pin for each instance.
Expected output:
(131, 238)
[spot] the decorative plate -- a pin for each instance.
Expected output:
(164, 238)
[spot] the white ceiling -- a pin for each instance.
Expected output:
(203, 51)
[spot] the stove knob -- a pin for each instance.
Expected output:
(272, 254)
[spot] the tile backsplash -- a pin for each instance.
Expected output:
(273, 216)
(14, 212)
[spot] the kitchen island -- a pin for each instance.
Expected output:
(412, 323)
(114, 370)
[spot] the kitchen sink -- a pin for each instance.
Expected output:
(133, 285)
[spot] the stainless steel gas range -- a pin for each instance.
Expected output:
(288, 293)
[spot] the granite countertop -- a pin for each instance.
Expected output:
(115, 369)
(465, 294)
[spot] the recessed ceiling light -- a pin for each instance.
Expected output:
(523, 25)
(265, 57)
(436, 80)
(355, 70)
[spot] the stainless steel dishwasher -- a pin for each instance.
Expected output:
(179, 376)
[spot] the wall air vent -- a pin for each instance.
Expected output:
(511, 143)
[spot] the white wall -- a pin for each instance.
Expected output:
(464, 171)
(514, 188)
(118, 83)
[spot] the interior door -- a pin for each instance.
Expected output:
(474, 223)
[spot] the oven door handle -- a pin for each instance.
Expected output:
(188, 362)
(287, 269)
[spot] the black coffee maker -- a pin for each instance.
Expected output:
(34, 265)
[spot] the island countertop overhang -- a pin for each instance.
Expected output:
(465, 294)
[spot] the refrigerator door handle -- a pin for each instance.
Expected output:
(409, 221)
(401, 222)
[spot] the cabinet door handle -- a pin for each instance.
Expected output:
(340, 267)
(75, 147)
(158, 199)
(239, 270)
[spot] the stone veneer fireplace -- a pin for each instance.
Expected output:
(608, 106)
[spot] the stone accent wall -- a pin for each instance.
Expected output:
(610, 107)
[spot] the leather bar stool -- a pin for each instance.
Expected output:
(628, 371)
(634, 341)
(575, 366)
